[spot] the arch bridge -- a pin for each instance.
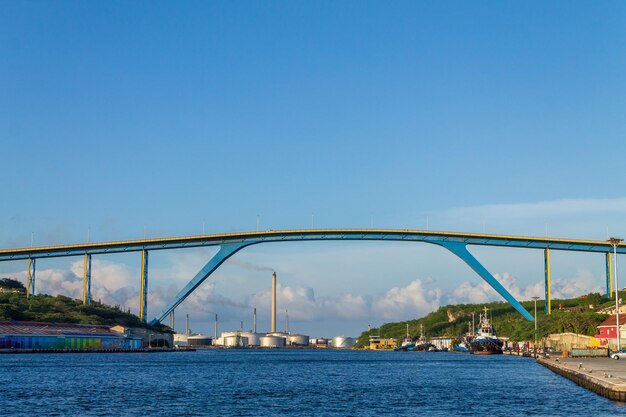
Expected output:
(231, 243)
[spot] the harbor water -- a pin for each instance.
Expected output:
(299, 382)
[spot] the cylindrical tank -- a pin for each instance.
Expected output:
(343, 342)
(272, 341)
(199, 340)
(279, 334)
(298, 340)
(254, 339)
(235, 341)
(180, 339)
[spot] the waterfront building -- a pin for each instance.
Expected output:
(607, 332)
(442, 342)
(148, 337)
(63, 336)
(377, 343)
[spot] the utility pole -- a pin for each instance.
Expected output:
(535, 300)
(614, 242)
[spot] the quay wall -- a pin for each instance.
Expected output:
(615, 391)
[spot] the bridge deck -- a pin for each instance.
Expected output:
(308, 235)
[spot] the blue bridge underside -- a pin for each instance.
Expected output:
(231, 243)
(227, 250)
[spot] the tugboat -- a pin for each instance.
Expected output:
(485, 341)
(422, 344)
(407, 342)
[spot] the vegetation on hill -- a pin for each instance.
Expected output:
(15, 306)
(577, 315)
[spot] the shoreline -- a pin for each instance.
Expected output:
(38, 351)
(603, 376)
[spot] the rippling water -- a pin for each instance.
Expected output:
(289, 382)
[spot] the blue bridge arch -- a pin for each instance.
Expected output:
(231, 243)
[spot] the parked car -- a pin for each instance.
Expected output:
(619, 355)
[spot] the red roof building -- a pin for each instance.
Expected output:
(607, 330)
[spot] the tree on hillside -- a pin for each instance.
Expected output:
(12, 284)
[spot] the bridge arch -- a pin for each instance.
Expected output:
(227, 250)
(231, 243)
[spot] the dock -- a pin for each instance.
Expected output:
(604, 376)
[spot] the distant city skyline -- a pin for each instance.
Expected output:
(125, 120)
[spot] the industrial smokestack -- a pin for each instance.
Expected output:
(287, 321)
(254, 321)
(215, 331)
(273, 322)
(187, 325)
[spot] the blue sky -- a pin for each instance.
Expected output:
(123, 117)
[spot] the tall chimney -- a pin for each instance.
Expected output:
(187, 325)
(254, 321)
(215, 331)
(287, 321)
(273, 323)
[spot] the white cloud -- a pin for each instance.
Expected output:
(586, 206)
(481, 292)
(577, 217)
(583, 282)
(411, 301)
(398, 303)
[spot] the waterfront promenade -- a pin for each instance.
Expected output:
(604, 376)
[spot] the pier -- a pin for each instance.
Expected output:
(604, 376)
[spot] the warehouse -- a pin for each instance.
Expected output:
(62, 336)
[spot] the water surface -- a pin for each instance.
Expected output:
(289, 382)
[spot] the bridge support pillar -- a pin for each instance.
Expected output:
(609, 275)
(143, 292)
(460, 250)
(87, 280)
(30, 285)
(546, 259)
(225, 252)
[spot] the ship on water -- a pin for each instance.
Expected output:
(407, 342)
(423, 345)
(485, 341)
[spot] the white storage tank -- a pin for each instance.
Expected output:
(343, 342)
(321, 341)
(180, 339)
(298, 340)
(279, 334)
(254, 339)
(272, 341)
(199, 340)
(235, 341)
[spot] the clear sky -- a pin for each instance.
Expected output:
(119, 119)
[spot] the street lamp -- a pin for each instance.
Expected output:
(535, 300)
(614, 241)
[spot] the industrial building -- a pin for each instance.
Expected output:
(272, 339)
(63, 336)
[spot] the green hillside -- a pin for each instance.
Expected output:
(576, 315)
(15, 306)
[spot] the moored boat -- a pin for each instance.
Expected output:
(407, 343)
(485, 341)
